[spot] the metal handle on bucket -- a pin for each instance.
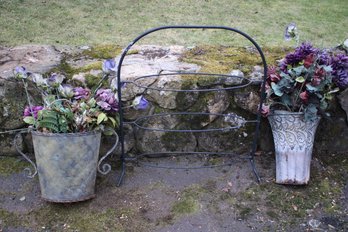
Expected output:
(28, 170)
(106, 168)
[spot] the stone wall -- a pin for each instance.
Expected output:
(146, 60)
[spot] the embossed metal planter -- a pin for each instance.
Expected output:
(67, 164)
(293, 142)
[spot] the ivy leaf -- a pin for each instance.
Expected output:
(29, 120)
(101, 117)
(300, 79)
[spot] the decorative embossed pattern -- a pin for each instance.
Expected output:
(291, 131)
(293, 142)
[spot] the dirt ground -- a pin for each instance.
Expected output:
(210, 199)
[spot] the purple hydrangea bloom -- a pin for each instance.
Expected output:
(324, 58)
(300, 53)
(106, 100)
(140, 103)
(109, 66)
(32, 111)
(339, 64)
(80, 92)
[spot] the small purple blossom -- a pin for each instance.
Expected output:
(80, 93)
(55, 80)
(106, 100)
(109, 66)
(32, 111)
(140, 103)
(20, 72)
(290, 32)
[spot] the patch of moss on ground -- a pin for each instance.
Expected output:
(10, 219)
(188, 202)
(10, 165)
(57, 217)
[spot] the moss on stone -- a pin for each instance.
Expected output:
(223, 59)
(104, 51)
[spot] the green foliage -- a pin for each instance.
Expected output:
(53, 121)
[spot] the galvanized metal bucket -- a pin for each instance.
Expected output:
(67, 164)
(293, 142)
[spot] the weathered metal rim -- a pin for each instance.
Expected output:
(77, 134)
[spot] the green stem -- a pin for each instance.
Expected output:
(29, 102)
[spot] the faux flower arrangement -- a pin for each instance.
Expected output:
(305, 80)
(69, 106)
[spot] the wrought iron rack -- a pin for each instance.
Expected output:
(138, 123)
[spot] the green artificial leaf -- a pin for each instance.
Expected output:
(92, 102)
(49, 99)
(286, 100)
(107, 132)
(113, 121)
(310, 113)
(298, 70)
(29, 120)
(324, 105)
(311, 88)
(101, 117)
(335, 90)
(327, 68)
(300, 79)
(284, 75)
(277, 89)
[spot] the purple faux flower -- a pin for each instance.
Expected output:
(32, 111)
(55, 79)
(109, 66)
(290, 31)
(80, 92)
(106, 100)
(140, 103)
(324, 58)
(300, 53)
(339, 64)
(20, 72)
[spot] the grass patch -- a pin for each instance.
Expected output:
(119, 22)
